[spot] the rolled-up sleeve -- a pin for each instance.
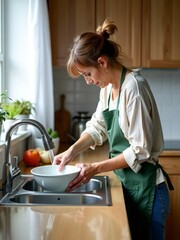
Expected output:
(97, 130)
(131, 159)
(96, 126)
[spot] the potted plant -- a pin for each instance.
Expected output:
(3, 97)
(55, 138)
(2, 119)
(11, 112)
(3, 112)
(27, 108)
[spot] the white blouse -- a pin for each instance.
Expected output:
(138, 119)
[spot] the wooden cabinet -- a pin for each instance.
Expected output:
(148, 30)
(161, 33)
(67, 19)
(127, 16)
(171, 164)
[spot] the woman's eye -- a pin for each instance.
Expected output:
(87, 74)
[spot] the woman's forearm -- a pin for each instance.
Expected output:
(114, 163)
(89, 170)
(83, 143)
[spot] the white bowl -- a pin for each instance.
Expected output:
(51, 179)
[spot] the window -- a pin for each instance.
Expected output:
(1, 44)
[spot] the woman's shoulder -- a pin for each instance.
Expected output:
(134, 81)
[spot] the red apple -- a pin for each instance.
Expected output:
(31, 157)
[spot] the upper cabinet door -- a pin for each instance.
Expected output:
(161, 34)
(68, 18)
(148, 30)
(127, 16)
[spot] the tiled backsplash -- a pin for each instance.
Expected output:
(79, 95)
(165, 84)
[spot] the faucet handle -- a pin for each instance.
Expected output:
(16, 170)
(16, 160)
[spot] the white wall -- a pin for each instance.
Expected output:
(165, 84)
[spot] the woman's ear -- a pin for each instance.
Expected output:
(102, 61)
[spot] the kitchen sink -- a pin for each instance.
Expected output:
(28, 193)
(56, 199)
(92, 186)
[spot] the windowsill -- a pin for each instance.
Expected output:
(15, 139)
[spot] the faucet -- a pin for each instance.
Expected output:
(7, 174)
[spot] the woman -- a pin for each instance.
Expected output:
(127, 115)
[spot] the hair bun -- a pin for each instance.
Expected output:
(106, 29)
(104, 34)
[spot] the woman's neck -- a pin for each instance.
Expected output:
(115, 81)
(116, 77)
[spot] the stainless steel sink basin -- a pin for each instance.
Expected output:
(28, 193)
(91, 186)
(56, 199)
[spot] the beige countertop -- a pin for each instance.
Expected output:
(172, 153)
(69, 223)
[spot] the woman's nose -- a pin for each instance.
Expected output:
(88, 80)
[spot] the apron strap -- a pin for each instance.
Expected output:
(170, 185)
(121, 82)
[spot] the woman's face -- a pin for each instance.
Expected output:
(95, 76)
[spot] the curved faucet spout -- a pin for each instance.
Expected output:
(7, 179)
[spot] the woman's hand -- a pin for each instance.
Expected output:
(87, 172)
(83, 143)
(63, 158)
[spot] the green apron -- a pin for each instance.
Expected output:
(139, 188)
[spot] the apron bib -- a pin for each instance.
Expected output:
(139, 188)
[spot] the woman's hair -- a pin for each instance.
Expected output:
(89, 46)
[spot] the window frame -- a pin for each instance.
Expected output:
(1, 45)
